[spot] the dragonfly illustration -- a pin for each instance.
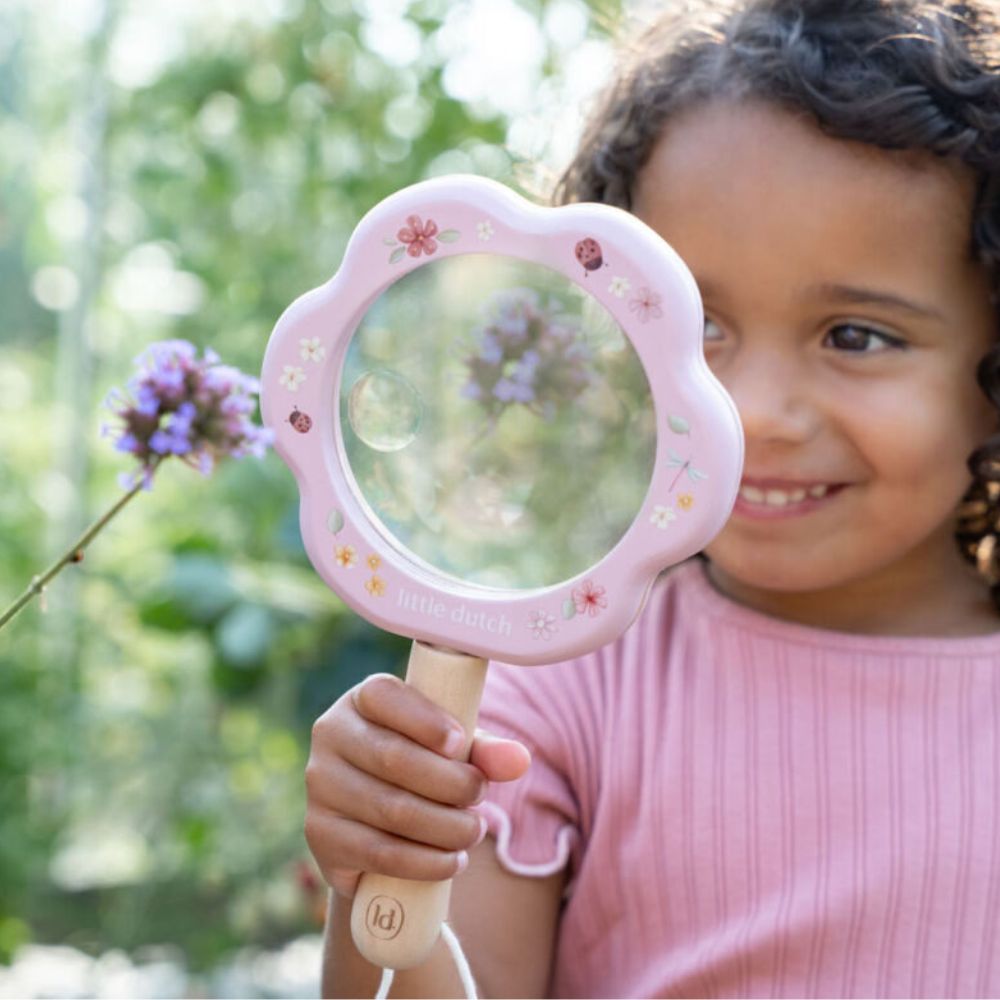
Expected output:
(683, 465)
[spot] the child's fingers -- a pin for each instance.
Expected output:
(344, 733)
(384, 807)
(386, 701)
(398, 761)
(499, 759)
(343, 846)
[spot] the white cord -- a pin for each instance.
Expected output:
(385, 985)
(461, 964)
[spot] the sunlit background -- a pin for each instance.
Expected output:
(182, 168)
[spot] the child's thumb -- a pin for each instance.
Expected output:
(497, 758)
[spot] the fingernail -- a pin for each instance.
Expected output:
(484, 828)
(454, 742)
(463, 861)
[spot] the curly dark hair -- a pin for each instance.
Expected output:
(898, 74)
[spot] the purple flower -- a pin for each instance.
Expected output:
(490, 350)
(509, 391)
(180, 404)
(128, 442)
(159, 441)
(525, 369)
(526, 352)
(147, 400)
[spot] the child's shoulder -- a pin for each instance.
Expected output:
(688, 626)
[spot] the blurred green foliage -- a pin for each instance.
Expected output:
(154, 719)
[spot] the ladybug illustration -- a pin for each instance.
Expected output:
(588, 253)
(300, 421)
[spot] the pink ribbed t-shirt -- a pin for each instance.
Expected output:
(752, 808)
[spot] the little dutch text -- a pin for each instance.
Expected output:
(460, 614)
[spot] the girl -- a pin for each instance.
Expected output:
(783, 780)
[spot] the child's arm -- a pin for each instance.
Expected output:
(506, 925)
(386, 794)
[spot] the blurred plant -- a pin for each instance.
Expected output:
(177, 404)
(242, 142)
(527, 353)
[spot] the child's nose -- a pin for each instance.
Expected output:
(772, 395)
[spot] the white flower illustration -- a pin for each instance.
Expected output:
(541, 624)
(311, 350)
(484, 230)
(619, 286)
(662, 516)
(292, 377)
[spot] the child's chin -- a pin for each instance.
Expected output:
(791, 573)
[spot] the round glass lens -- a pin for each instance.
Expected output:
(497, 421)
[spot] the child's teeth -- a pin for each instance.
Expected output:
(781, 498)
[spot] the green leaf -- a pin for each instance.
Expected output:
(396, 254)
(13, 934)
(164, 613)
(678, 424)
(449, 236)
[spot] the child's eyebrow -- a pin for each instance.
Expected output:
(857, 295)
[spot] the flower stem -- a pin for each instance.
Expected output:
(72, 555)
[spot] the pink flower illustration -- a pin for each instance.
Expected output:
(589, 598)
(646, 305)
(418, 237)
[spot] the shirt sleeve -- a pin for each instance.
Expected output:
(536, 819)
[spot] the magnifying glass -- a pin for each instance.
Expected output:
(503, 428)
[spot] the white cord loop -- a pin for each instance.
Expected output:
(461, 964)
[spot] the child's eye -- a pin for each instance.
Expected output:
(713, 331)
(860, 339)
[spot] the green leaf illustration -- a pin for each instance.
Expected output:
(396, 254)
(449, 235)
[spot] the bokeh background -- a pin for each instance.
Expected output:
(177, 168)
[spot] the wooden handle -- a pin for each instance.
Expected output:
(395, 922)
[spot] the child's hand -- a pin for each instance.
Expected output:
(385, 792)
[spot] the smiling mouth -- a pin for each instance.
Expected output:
(770, 498)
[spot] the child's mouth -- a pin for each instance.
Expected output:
(783, 499)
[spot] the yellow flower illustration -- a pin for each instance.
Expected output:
(374, 562)
(345, 556)
(375, 586)
(685, 501)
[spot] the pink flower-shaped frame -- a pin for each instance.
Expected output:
(642, 282)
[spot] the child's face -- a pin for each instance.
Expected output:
(846, 316)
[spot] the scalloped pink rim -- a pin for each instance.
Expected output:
(698, 428)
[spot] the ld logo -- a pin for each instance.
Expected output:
(384, 917)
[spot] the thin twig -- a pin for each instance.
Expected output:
(73, 555)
